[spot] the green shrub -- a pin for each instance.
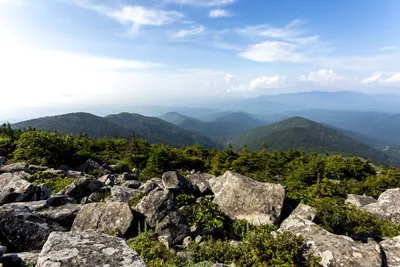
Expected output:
(348, 220)
(241, 228)
(152, 251)
(207, 215)
(259, 248)
(136, 199)
(184, 200)
(54, 182)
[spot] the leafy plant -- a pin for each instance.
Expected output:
(54, 182)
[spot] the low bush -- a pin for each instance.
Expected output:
(54, 182)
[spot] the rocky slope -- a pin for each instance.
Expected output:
(87, 222)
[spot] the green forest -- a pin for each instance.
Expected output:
(319, 180)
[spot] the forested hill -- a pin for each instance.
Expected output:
(120, 125)
(307, 135)
(223, 127)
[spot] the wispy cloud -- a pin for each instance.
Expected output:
(219, 13)
(290, 30)
(274, 51)
(322, 77)
(134, 16)
(192, 31)
(260, 83)
(383, 77)
(386, 48)
(204, 3)
(228, 78)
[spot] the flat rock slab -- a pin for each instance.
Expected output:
(335, 250)
(24, 230)
(88, 249)
(113, 218)
(387, 206)
(242, 198)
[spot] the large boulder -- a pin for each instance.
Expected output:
(387, 205)
(392, 251)
(108, 179)
(359, 201)
(242, 198)
(122, 194)
(91, 165)
(112, 218)
(22, 230)
(59, 200)
(15, 167)
(89, 249)
(41, 192)
(304, 211)
(132, 184)
(81, 188)
(15, 188)
(100, 195)
(334, 250)
(64, 215)
(149, 186)
(159, 211)
(201, 180)
(177, 183)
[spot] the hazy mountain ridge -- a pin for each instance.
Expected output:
(306, 135)
(122, 125)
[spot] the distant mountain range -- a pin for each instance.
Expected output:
(119, 125)
(309, 136)
(222, 127)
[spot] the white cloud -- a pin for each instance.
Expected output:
(386, 48)
(219, 13)
(288, 31)
(203, 3)
(228, 78)
(192, 31)
(322, 77)
(274, 51)
(383, 77)
(263, 82)
(268, 82)
(135, 16)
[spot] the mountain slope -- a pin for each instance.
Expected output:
(75, 123)
(158, 131)
(222, 127)
(122, 125)
(307, 135)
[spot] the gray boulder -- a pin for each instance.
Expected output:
(64, 215)
(2, 160)
(392, 251)
(108, 179)
(149, 186)
(201, 180)
(387, 206)
(359, 201)
(59, 200)
(14, 188)
(75, 174)
(89, 249)
(24, 230)
(112, 218)
(23, 259)
(126, 176)
(42, 192)
(122, 194)
(242, 198)
(335, 250)
(304, 211)
(15, 167)
(159, 210)
(177, 183)
(100, 195)
(91, 165)
(81, 188)
(132, 184)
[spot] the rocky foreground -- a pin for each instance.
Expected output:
(87, 222)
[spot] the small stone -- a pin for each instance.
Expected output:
(187, 242)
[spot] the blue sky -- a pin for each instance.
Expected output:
(84, 53)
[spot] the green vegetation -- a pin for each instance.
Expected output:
(54, 182)
(119, 125)
(308, 136)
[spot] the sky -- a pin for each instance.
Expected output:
(74, 54)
